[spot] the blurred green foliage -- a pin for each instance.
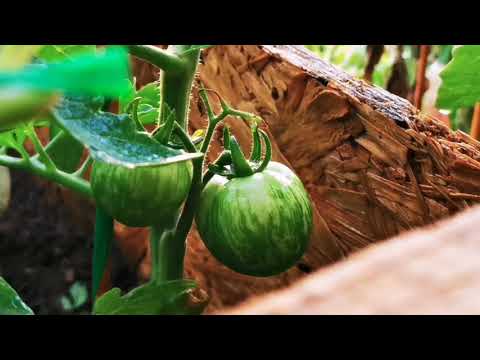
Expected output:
(353, 59)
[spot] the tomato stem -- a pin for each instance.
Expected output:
(84, 167)
(168, 244)
(102, 245)
(38, 168)
(226, 138)
(224, 159)
(43, 155)
(158, 57)
(167, 254)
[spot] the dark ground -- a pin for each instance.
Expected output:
(44, 251)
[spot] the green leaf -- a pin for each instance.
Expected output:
(78, 296)
(113, 138)
(102, 246)
(66, 303)
(127, 97)
(148, 108)
(168, 298)
(461, 79)
(147, 114)
(150, 94)
(10, 302)
(53, 53)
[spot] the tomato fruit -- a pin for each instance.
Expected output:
(256, 225)
(141, 196)
(18, 104)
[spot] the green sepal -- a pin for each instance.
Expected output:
(240, 165)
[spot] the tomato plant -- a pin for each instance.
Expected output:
(254, 216)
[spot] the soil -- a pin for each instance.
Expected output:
(43, 252)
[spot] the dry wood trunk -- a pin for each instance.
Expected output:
(433, 270)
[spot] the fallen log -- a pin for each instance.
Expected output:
(433, 270)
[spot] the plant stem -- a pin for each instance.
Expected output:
(168, 243)
(188, 214)
(84, 167)
(167, 254)
(102, 245)
(163, 59)
(420, 80)
(38, 168)
(176, 87)
(475, 127)
(224, 159)
(43, 155)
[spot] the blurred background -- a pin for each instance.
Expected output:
(397, 68)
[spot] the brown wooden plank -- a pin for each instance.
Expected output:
(434, 270)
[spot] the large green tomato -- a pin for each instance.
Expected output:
(141, 196)
(256, 225)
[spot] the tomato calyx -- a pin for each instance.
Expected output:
(232, 163)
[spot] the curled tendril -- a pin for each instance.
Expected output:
(165, 131)
(268, 153)
(257, 146)
(132, 109)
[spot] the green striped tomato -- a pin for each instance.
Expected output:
(19, 104)
(141, 196)
(257, 225)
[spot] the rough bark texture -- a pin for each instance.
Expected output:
(434, 270)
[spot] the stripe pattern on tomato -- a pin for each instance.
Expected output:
(257, 225)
